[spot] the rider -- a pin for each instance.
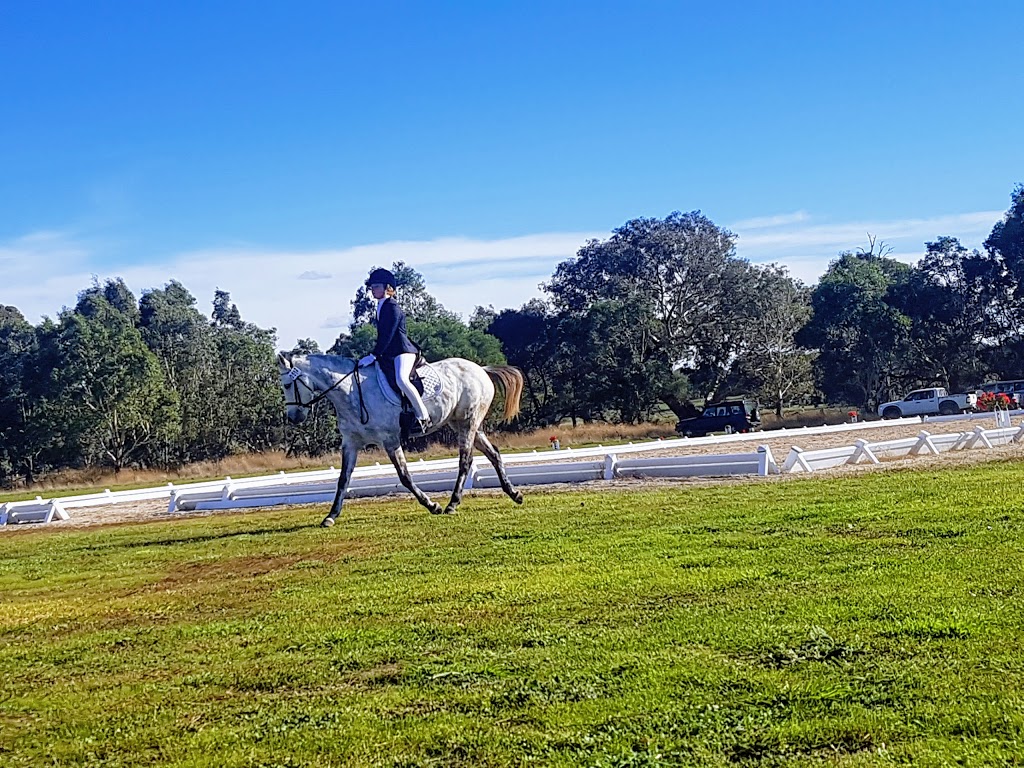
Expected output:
(393, 343)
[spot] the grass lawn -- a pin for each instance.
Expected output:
(865, 620)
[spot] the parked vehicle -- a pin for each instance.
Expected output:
(726, 416)
(928, 402)
(1014, 388)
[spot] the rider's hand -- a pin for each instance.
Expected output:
(366, 360)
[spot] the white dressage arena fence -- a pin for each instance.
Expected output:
(924, 443)
(567, 465)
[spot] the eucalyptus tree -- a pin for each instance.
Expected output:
(773, 365)
(183, 341)
(861, 338)
(1004, 271)
(244, 397)
(951, 326)
(110, 389)
(683, 284)
(18, 401)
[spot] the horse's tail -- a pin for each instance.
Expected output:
(512, 382)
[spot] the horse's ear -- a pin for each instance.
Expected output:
(284, 359)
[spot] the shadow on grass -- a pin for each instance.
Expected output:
(199, 538)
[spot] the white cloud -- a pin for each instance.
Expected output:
(762, 222)
(308, 293)
(806, 248)
(303, 294)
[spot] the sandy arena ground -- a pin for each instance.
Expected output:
(780, 445)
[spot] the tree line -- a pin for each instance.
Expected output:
(659, 315)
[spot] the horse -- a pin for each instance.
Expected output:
(366, 416)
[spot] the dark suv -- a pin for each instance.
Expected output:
(726, 416)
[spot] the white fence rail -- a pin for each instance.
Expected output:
(924, 443)
(533, 468)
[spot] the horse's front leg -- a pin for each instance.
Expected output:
(465, 464)
(349, 454)
(397, 456)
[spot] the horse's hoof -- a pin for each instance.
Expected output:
(327, 522)
(518, 497)
(450, 510)
(435, 509)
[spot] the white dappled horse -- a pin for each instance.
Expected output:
(366, 416)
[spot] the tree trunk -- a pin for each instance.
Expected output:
(683, 409)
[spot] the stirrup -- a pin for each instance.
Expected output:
(420, 426)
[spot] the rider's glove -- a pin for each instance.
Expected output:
(366, 360)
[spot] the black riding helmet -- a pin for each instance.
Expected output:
(382, 276)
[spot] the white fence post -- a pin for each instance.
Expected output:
(766, 462)
(1019, 434)
(979, 436)
(610, 464)
(795, 461)
(924, 440)
(863, 449)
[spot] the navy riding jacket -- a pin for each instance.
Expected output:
(392, 339)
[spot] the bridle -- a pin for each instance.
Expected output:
(293, 378)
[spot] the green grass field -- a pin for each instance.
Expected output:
(867, 620)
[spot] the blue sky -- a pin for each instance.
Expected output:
(279, 151)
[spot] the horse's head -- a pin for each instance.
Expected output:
(298, 392)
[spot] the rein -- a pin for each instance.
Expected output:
(294, 379)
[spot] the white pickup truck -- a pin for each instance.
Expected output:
(928, 402)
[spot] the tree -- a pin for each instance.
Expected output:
(947, 310)
(117, 294)
(482, 318)
(684, 284)
(225, 313)
(861, 338)
(18, 349)
(110, 388)
(244, 401)
(1002, 273)
(183, 341)
(773, 365)
(1006, 241)
(527, 337)
(609, 364)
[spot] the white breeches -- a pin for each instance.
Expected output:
(403, 370)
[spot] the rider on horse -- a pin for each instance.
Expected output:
(393, 344)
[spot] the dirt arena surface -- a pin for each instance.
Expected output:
(780, 444)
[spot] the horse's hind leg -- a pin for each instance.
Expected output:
(397, 456)
(494, 456)
(466, 439)
(349, 454)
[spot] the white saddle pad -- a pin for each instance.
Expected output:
(428, 374)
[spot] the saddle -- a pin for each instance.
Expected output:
(387, 370)
(424, 378)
